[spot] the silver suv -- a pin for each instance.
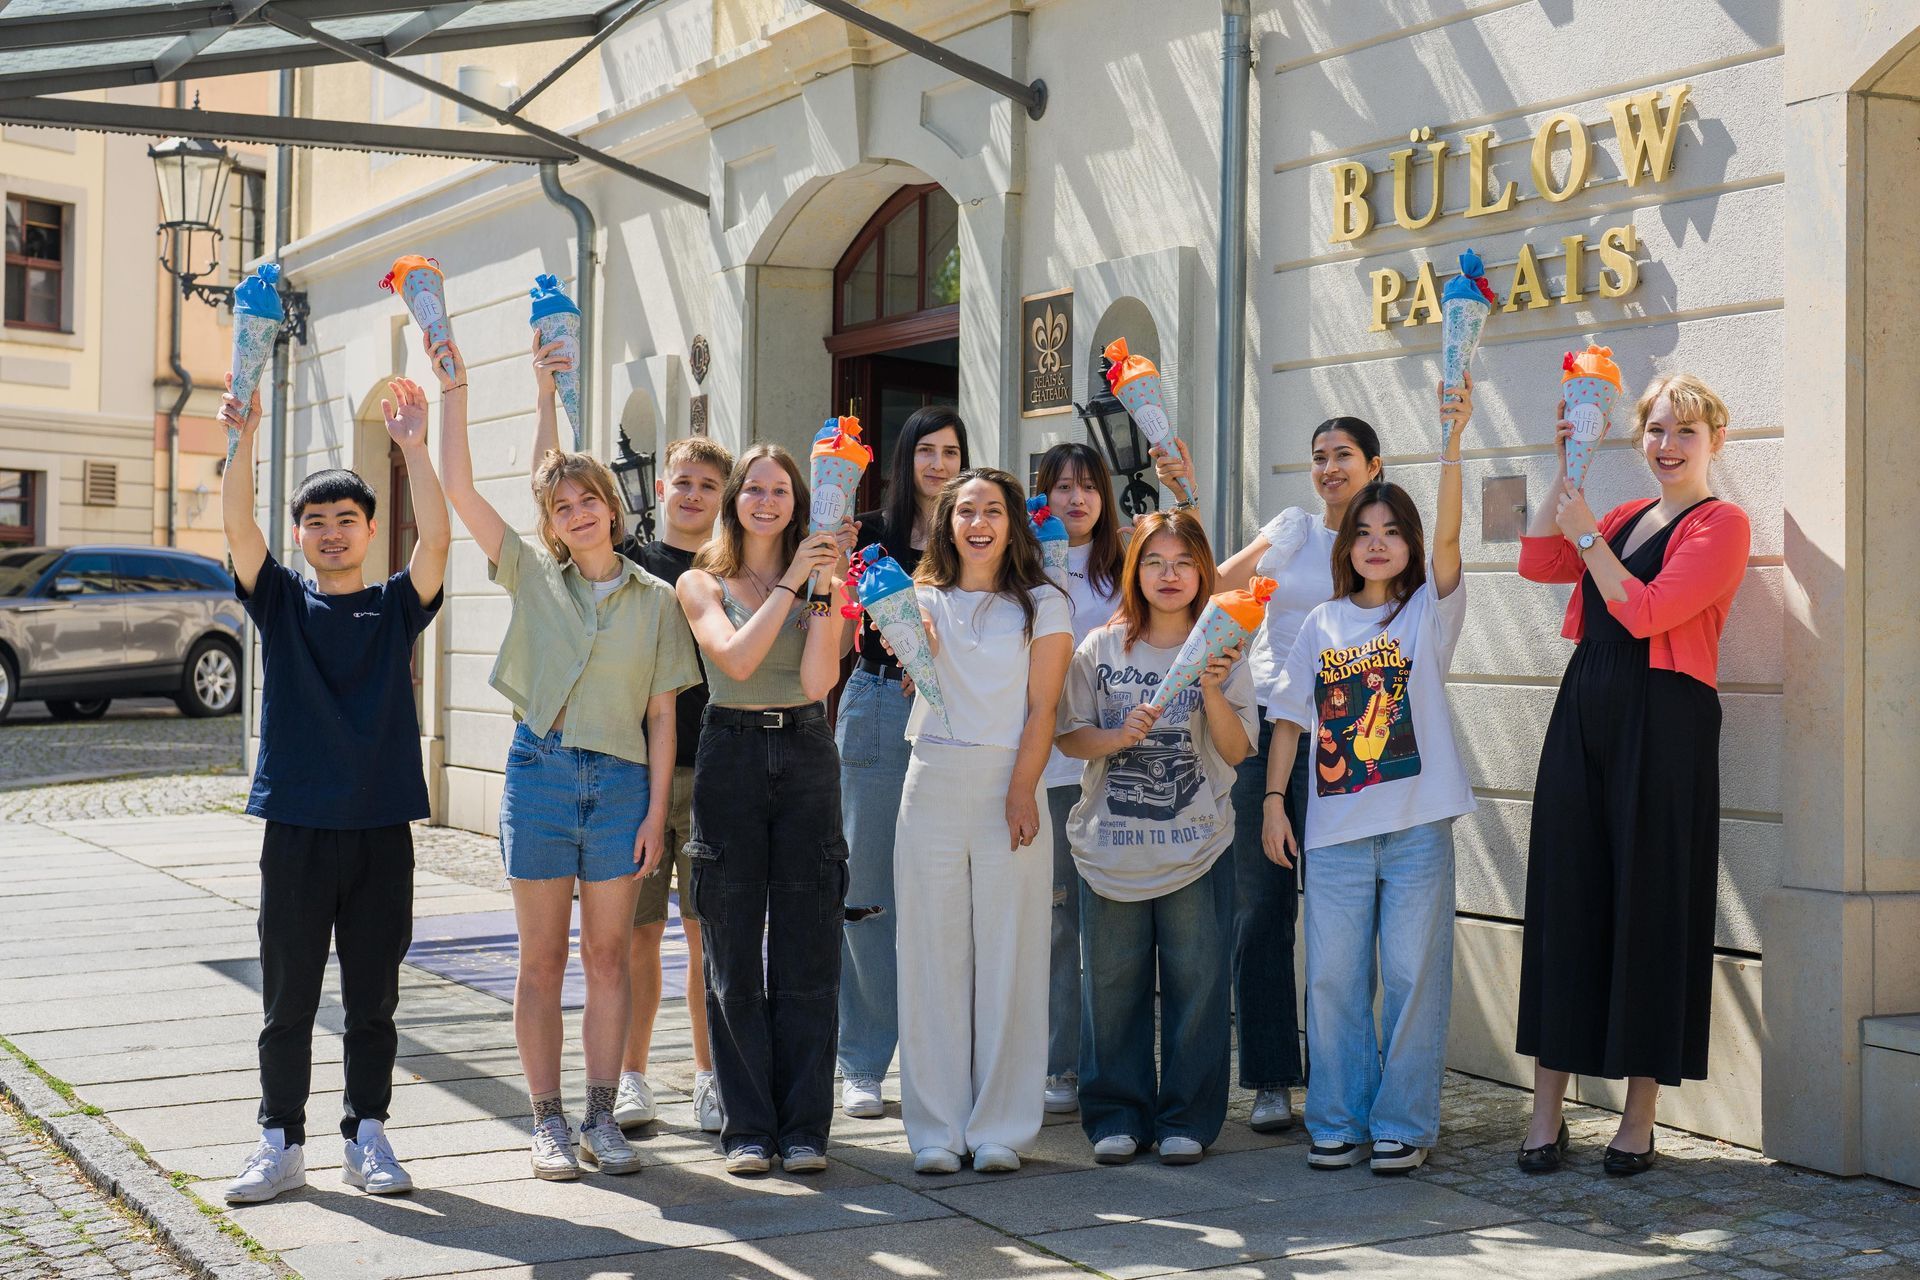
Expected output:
(80, 626)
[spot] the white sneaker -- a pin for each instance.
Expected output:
(1117, 1148)
(748, 1160)
(1062, 1095)
(633, 1104)
(1179, 1150)
(604, 1147)
(935, 1160)
(803, 1159)
(553, 1158)
(1272, 1111)
(706, 1101)
(372, 1167)
(1391, 1157)
(861, 1099)
(268, 1171)
(993, 1158)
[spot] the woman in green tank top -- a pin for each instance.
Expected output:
(768, 853)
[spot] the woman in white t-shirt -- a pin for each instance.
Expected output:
(1154, 818)
(1295, 549)
(1367, 679)
(1079, 490)
(972, 857)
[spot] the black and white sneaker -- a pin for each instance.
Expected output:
(1392, 1158)
(1336, 1155)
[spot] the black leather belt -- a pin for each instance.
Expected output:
(874, 667)
(776, 718)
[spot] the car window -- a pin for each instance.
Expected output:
(204, 575)
(144, 574)
(19, 570)
(94, 569)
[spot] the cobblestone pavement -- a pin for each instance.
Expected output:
(466, 856)
(54, 1223)
(140, 736)
(150, 797)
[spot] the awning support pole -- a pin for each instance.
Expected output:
(1031, 96)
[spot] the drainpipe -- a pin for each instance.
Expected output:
(180, 372)
(282, 379)
(1230, 372)
(583, 279)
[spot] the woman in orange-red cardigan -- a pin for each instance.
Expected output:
(1623, 864)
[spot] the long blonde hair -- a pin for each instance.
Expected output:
(726, 554)
(590, 474)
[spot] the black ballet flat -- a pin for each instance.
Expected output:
(1625, 1164)
(1545, 1159)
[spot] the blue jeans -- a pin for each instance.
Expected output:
(1398, 889)
(1266, 899)
(1120, 944)
(872, 738)
(1063, 988)
(569, 813)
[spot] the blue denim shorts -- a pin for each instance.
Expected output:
(569, 812)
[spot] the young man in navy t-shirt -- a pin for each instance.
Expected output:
(338, 779)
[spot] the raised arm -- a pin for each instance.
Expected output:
(245, 542)
(739, 651)
(547, 361)
(406, 416)
(456, 457)
(1456, 408)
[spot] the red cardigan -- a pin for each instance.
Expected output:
(1683, 611)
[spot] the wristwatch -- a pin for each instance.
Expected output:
(1585, 542)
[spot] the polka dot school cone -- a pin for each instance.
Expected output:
(1230, 618)
(886, 594)
(1465, 304)
(556, 319)
(418, 280)
(839, 460)
(1053, 538)
(1136, 384)
(1590, 384)
(256, 326)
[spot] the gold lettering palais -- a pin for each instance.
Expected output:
(1646, 136)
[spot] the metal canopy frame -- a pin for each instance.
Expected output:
(1031, 96)
(190, 33)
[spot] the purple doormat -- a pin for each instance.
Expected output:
(482, 950)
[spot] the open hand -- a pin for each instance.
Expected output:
(1276, 835)
(406, 413)
(650, 845)
(1023, 819)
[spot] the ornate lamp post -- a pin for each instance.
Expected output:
(1112, 430)
(634, 472)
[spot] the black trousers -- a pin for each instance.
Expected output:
(770, 861)
(355, 889)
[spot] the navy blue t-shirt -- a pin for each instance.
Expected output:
(339, 737)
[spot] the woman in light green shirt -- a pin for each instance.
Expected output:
(595, 650)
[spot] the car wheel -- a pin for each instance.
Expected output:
(211, 686)
(71, 709)
(9, 681)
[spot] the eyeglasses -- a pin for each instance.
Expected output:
(1159, 568)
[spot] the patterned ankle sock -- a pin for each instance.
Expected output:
(547, 1105)
(600, 1096)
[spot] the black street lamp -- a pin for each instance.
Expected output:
(634, 473)
(192, 174)
(1112, 430)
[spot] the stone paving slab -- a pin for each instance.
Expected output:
(1532, 1251)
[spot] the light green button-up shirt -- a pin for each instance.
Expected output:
(600, 661)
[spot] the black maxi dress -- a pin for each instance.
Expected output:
(1616, 967)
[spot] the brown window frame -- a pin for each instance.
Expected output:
(929, 319)
(58, 268)
(25, 535)
(243, 182)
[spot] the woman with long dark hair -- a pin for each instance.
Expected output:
(871, 733)
(1079, 490)
(768, 852)
(1367, 674)
(1616, 967)
(1295, 549)
(972, 856)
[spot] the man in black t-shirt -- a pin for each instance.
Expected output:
(338, 779)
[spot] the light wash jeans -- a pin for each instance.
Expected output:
(1063, 986)
(871, 735)
(1177, 939)
(1396, 889)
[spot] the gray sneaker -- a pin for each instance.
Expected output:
(803, 1159)
(604, 1147)
(374, 1168)
(1272, 1111)
(268, 1171)
(553, 1158)
(706, 1101)
(1062, 1095)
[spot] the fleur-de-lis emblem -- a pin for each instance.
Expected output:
(1049, 335)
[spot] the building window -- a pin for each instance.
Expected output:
(247, 234)
(904, 263)
(19, 511)
(36, 263)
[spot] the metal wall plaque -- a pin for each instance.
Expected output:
(697, 415)
(1046, 353)
(1503, 508)
(700, 358)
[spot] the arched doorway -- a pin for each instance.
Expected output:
(896, 320)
